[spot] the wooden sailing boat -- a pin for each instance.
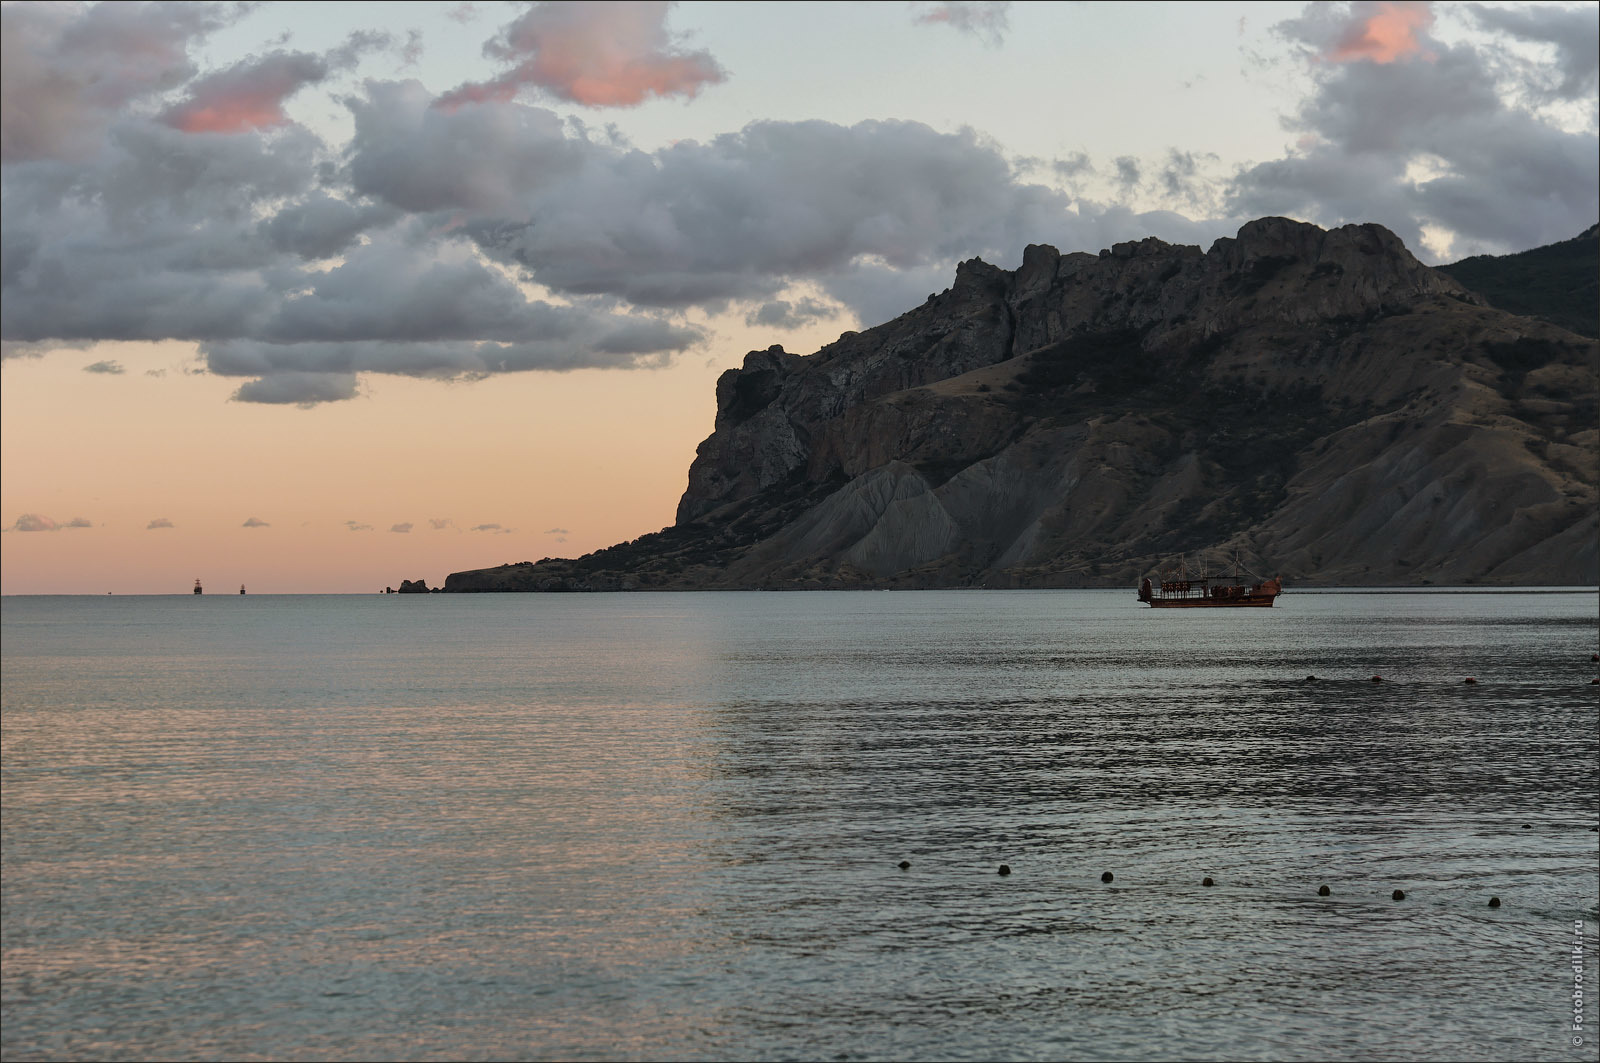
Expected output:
(1182, 592)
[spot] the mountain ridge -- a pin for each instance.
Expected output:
(1317, 400)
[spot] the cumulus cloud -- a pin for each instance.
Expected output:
(356, 525)
(1381, 31)
(602, 53)
(440, 523)
(1414, 133)
(403, 529)
(108, 368)
(33, 522)
(989, 21)
(247, 95)
(67, 71)
(255, 522)
(159, 522)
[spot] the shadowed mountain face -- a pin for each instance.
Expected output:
(1557, 283)
(1318, 401)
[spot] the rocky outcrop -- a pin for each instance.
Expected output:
(1319, 401)
(413, 586)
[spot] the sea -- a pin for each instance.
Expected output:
(963, 825)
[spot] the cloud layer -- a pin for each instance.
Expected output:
(1411, 132)
(475, 232)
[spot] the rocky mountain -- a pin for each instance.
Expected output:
(1318, 401)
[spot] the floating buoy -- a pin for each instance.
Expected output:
(904, 864)
(1323, 892)
(1107, 877)
(1592, 656)
(1527, 826)
(1311, 679)
(1005, 869)
(1592, 682)
(1469, 679)
(1207, 881)
(1494, 902)
(1377, 679)
(1398, 895)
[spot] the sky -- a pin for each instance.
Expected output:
(320, 297)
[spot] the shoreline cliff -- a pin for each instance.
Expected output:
(1317, 400)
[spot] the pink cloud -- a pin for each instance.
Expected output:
(593, 53)
(1382, 32)
(67, 71)
(248, 95)
(989, 21)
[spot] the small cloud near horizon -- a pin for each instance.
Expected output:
(441, 523)
(403, 529)
(256, 522)
(32, 522)
(159, 522)
(110, 368)
(356, 525)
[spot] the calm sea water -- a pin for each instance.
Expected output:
(669, 826)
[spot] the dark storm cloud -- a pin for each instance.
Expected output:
(1431, 136)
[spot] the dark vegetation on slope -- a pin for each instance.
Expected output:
(1556, 283)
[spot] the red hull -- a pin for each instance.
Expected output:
(1210, 603)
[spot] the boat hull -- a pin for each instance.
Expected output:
(1211, 603)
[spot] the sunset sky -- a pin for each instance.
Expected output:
(320, 297)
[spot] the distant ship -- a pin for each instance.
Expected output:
(197, 588)
(1205, 592)
(241, 588)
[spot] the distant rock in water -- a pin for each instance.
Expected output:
(1319, 401)
(414, 586)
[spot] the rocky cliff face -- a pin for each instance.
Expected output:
(1319, 401)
